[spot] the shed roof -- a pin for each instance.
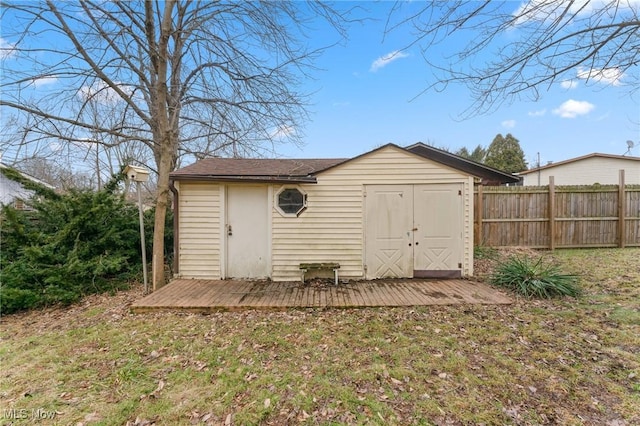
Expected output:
(304, 170)
(489, 175)
(576, 159)
(256, 169)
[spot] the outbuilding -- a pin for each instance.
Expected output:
(388, 213)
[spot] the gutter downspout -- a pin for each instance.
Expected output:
(176, 227)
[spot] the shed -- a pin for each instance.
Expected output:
(388, 213)
(595, 168)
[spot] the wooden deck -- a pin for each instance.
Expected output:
(215, 295)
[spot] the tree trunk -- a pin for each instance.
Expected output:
(164, 141)
(162, 204)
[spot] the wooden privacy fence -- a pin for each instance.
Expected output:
(558, 216)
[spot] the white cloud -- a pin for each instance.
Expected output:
(7, 49)
(538, 113)
(103, 94)
(551, 10)
(547, 10)
(55, 147)
(509, 124)
(605, 75)
(282, 132)
(385, 60)
(569, 84)
(573, 108)
(43, 81)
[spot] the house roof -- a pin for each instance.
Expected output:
(489, 175)
(26, 176)
(576, 159)
(256, 169)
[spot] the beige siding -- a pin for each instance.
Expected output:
(588, 171)
(331, 228)
(199, 224)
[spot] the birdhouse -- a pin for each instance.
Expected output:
(136, 174)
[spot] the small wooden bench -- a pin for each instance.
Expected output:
(304, 267)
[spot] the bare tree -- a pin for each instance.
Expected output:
(509, 50)
(177, 77)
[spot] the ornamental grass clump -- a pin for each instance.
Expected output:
(535, 278)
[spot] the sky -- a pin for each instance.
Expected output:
(366, 96)
(369, 90)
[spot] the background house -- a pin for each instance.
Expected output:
(13, 192)
(586, 170)
(387, 213)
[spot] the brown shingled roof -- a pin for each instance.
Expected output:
(256, 169)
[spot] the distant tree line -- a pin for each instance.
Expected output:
(504, 154)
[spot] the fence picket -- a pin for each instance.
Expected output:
(558, 216)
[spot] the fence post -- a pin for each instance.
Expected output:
(621, 210)
(552, 214)
(479, 216)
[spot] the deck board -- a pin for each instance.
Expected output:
(215, 295)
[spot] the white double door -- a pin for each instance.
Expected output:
(413, 230)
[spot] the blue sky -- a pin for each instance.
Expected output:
(358, 106)
(364, 95)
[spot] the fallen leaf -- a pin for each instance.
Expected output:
(157, 390)
(92, 417)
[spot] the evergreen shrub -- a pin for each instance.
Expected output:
(70, 245)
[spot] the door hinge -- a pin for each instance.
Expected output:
(459, 265)
(459, 192)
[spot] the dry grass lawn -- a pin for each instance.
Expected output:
(564, 361)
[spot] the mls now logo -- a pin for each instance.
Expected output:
(23, 414)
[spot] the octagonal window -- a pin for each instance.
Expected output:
(291, 201)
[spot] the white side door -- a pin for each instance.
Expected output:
(388, 239)
(438, 227)
(247, 232)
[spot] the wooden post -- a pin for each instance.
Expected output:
(479, 208)
(621, 210)
(552, 214)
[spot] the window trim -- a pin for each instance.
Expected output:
(277, 200)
